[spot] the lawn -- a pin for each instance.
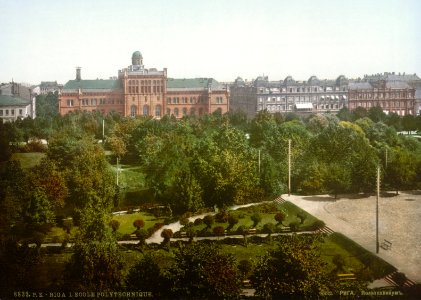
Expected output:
(28, 160)
(267, 212)
(126, 221)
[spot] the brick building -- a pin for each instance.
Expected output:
(392, 96)
(142, 91)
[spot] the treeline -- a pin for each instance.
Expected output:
(225, 159)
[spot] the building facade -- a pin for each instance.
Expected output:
(141, 91)
(16, 101)
(289, 95)
(391, 96)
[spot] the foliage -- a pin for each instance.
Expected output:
(256, 218)
(280, 217)
(138, 223)
(294, 269)
(202, 271)
(145, 276)
(95, 263)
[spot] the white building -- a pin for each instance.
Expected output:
(12, 108)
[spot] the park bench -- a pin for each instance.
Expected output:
(386, 245)
(344, 277)
(252, 231)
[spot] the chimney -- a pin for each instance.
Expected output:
(78, 76)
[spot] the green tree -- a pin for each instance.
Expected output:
(338, 179)
(401, 169)
(293, 269)
(96, 262)
(208, 220)
(280, 217)
(146, 276)
(138, 223)
(256, 218)
(202, 271)
(114, 224)
(376, 114)
(232, 221)
(269, 228)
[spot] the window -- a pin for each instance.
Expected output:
(158, 111)
(192, 111)
(133, 110)
(169, 100)
(184, 111)
(146, 110)
(1, 112)
(168, 111)
(176, 112)
(70, 102)
(12, 111)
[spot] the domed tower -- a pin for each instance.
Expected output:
(137, 58)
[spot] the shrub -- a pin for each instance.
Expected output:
(302, 216)
(198, 221)
(280, 217)
(339, 262)
(245, 267)
(232, 221)
(184, 221)
(208, 220)
(139, 223)
(114, 224)
(221, 217)
(219, 230)
(294, 226)
(318, 224)
(256, 218)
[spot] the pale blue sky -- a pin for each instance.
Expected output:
(45, 40)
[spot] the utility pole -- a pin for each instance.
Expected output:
(377, 209)
(289, 167)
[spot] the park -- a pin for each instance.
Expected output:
(147, 201)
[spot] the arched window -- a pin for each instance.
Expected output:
(158, 111)
(176, 112)
(184, 111)
(146, 110)
(168, 111)
(133, 110)
(192, 111)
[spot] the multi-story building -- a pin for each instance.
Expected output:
(195, 97)
(49, 87)
(16, 101)
(243, 97)
(311, 96)
(142, 91)
(392, 96)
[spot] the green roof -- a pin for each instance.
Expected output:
(98, 84)
(191, 83)
(6, 100)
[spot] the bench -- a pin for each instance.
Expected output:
(349, 276)
(386, 245)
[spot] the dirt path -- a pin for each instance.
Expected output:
(399, 223)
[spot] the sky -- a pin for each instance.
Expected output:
(43, 40)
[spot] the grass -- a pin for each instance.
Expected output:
(126, 221)
(267, 213)
(28, 160)
(377, 266)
